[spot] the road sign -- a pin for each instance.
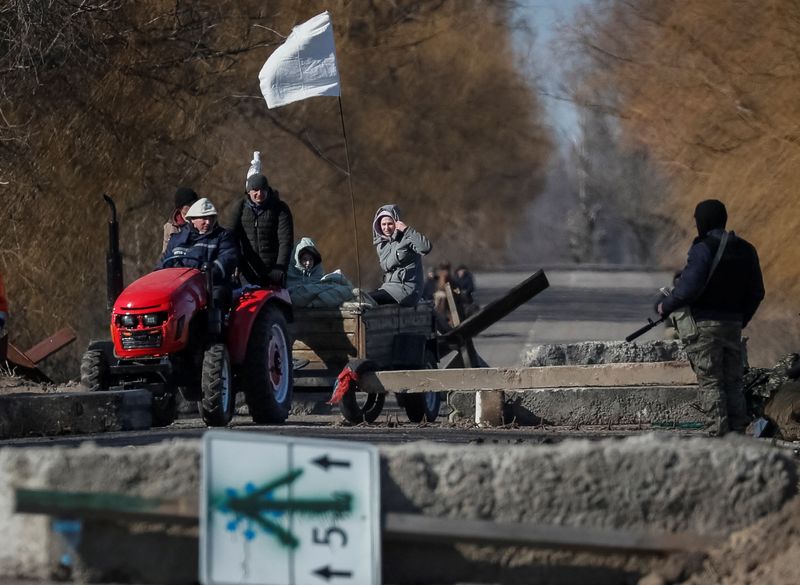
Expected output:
(288, 511)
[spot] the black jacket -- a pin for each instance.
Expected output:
(736, 288)
(265, 234)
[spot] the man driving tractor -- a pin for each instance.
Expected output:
(202, 241)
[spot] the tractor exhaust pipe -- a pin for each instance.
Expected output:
(113, 257)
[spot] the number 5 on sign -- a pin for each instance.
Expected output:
(288, 511)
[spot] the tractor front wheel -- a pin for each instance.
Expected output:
(94, 371)
(216, 406)
(267, 371)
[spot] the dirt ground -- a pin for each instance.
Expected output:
(764, 554)
(10, 384)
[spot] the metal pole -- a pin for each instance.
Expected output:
(352, 199)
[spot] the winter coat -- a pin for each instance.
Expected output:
(313, 288)
(400, 257)
(265, 234)
(297, 274)
(173, 226)
(191, 249)
(736, 287)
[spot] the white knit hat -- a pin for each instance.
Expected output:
(201, 208)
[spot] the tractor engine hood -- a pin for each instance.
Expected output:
(162, 290)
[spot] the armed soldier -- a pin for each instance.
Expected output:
(715, 297)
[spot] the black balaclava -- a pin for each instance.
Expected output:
(709, 215)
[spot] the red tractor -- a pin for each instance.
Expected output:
(166, 336)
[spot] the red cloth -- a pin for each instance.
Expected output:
(343, 381)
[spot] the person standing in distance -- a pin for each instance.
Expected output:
(722, 287)
(184, 198)
(264, 230)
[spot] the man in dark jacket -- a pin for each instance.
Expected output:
(203, 242)
(264, 230)
(722, 297)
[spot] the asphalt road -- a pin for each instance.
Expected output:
(579, 305)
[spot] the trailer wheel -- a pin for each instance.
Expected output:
(216, 406)
(94, 371)
(367, 411)
(267, 370)
(422, 406)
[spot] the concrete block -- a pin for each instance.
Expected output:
(604, 352)
(650, 482)
(680, 406)
(63, 413)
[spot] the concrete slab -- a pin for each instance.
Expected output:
(604, 352)
(63, 413)
(652, 482)
(659, 406)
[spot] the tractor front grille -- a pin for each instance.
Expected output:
(141, 339)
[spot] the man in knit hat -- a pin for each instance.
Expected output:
(184, 198)
(264, 230)
(717, 294)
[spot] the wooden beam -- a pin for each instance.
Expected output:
(404, 527)
(499, 308)
(519, 379)
(106, 506)
(420, 529)
(51, 345)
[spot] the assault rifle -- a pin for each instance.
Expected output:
(641, 331)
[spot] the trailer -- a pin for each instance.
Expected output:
(385, 337)
(391, 337)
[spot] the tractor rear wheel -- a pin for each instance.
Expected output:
(94, 371)
(267, 370)
(216, 406)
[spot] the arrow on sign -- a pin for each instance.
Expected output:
(325, 462)
(327, 573)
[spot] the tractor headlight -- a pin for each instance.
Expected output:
(154, 319)
(128, 321)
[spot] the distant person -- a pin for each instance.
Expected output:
(465, 283)
(444, 276)
(264, 230)
(205, 243)
(716, 295)
(3, 307)
(429, 286)
(184, 198)
(400, 249)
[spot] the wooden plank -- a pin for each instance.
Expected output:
(17, 357)
(51, 345)
(339, 325)
(326, 342)
(398, 527)
(510, 379)
(420, 529)
(106, 506)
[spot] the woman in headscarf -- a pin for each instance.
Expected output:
(400, 249)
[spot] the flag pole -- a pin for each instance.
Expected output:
(352, 200)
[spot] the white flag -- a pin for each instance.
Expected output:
(302, 67)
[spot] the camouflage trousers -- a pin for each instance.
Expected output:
(716, 358)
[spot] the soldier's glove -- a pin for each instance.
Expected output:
(276, 277)
(663, 293)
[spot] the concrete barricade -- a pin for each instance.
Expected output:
(650, 482)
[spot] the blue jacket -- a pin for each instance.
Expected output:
(190, 249)
(734, 291)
